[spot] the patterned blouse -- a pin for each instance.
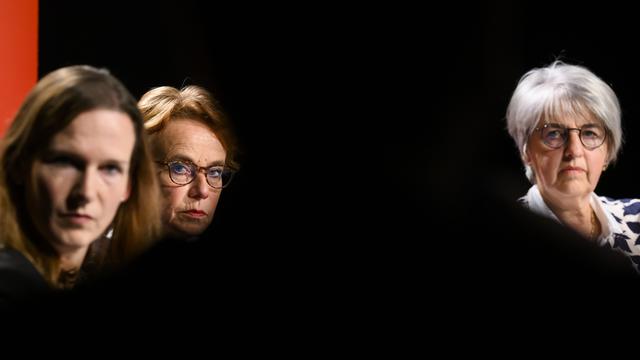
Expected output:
(620, 220)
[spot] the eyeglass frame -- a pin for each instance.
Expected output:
(198, 170)
(567, 129)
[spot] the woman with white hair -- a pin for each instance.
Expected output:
(566, 124)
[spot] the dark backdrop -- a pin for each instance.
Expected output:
(273, 68)
(356, 120)
(376, 159)
(378, 185)
(471, 58)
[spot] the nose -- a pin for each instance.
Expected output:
(199, 189)
(84, 190)
(573, 146)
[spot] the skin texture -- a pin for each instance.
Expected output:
(81, 180)
(188, 209)
(566, 176)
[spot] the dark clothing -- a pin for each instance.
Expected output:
(19, 279)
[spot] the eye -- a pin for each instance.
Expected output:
(591, 133)
(553, 133)
(62, 161)
(112, 169)
(180, 168)
(215, 171)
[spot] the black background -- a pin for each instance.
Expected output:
(277, 71)
(365, 116)
(453, 151)
(375, 156)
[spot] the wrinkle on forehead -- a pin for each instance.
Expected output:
(189, 140)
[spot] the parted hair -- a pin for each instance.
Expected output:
(165, 103)
(55, 101)
(559, 90)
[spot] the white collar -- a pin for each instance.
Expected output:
(536, 203)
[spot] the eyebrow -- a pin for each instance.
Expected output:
(52, 153)
(180, 157)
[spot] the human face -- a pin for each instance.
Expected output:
(188, 209)
(570, 171)
(82, 178)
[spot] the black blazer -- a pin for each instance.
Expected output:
(19, 279)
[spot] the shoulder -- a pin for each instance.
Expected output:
(621, 207)
(18, 277)
(11, 259)
(626, 239)
(626, 212)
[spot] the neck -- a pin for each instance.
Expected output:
(578, 210)
(570, 205)
(579, 216)
(71, 260)
(70, 263)
(170, 233)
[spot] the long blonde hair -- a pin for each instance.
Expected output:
(52, 104)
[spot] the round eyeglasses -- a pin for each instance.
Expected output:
(184, 172)
(556, 135)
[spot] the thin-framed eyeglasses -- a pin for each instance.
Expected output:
(183, 172)
(555, 135)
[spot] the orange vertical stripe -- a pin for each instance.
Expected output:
(18, 55)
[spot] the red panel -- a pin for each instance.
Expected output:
(18, 55)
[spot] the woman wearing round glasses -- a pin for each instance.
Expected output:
(194, 149)
(566, 124)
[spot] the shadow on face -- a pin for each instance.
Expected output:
(81, 179)
(188, 209)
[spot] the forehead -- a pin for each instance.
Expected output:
(571, 114)
(188, 138)
(97, 133)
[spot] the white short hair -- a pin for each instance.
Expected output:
(559, 90)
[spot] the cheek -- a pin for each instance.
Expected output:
(596, 166)
(44, 197)
(540, 163)
(174, 197)
(211, 203)
(112, 201)
(49, 192)
(546, 166)
(123, 189)
(113, 193)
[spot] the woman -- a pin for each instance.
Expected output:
(73, 165)
(189, 135)
(566, 124)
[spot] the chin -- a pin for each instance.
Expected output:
(573, 191)
(194, 231)
(185, 231)
(76, 240)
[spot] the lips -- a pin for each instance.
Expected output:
(76, 215)
(573, 168)
(195, 213)
(76, 218)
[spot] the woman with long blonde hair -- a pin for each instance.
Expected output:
(74, 166)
